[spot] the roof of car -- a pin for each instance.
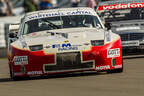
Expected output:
(111, 2)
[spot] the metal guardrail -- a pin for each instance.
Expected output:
(3, 51)
(2, 36)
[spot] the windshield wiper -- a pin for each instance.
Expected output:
(52, 24)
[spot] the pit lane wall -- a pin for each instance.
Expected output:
(4, 29)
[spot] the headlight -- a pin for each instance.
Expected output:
(142, 39)
(36, 47)
(97, 42)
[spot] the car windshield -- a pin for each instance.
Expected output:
(60, 22)
(122, 14)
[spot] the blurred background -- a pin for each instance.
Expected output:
(18, 7)
(12, 10)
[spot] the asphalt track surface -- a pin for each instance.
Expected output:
(128, 83)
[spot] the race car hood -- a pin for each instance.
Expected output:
(54, 39)
(56, 36)
(128, 26)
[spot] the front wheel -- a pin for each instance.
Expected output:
(15, 78)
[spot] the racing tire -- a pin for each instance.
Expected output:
(15, 78)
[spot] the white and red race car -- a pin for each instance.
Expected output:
(62, 41)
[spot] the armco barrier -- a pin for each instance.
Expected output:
(2, 36)
(2, 41)
(4, 23)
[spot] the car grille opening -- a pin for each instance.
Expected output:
(132, 36)
(68, 61)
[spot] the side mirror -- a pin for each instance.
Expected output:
(13, 30)
(12, 35)
(108, 26)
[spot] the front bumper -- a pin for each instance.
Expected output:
(39, 63)
(133, 44)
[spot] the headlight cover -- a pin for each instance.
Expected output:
(97, 42)
(36, 47)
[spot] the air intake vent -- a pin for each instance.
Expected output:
(97, 42)
(68, 61)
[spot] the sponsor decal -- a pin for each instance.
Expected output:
(20, 60)
(130, 43)
(35, 73)
(113, 62)
(18, 74)
(66, 41)
(118, 66)
(63, 47)
(43, 15)
(121, 6)
(113, 53)
(127, 28)
(102, 67)
(23, 70)
(107, 36)
(68, 48)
